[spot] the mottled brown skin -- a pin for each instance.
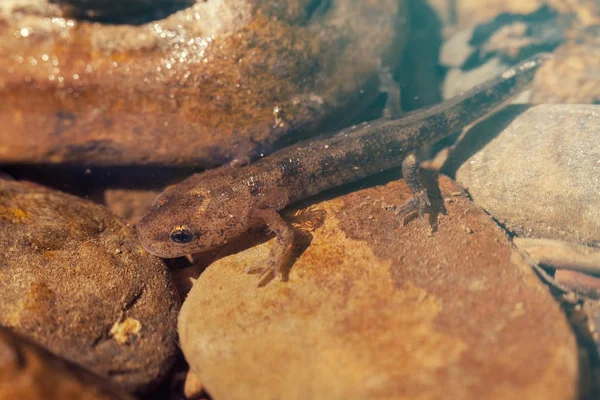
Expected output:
(210, 209)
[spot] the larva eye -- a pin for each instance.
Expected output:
(181, 235)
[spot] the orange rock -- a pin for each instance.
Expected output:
(373, 309)
(214, 82)
(193, 387)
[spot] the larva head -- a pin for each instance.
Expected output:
(198, 214)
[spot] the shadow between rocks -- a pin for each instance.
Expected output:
(480, 135)
(128, 12)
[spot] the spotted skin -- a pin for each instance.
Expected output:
(212, 208)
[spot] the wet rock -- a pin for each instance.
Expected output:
(74, 278)
(572, 77)
(39, 7)
(578, 282)
(476, 54)
(458, 80)
(467, 13)
(539, 176)
(185, 278)
(376, 310)
(587, 317)
(208, 84)
(193, 387)
(561, 255)
(28, 371)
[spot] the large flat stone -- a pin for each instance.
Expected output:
(374, 310)
(213, 82)
(540, 175)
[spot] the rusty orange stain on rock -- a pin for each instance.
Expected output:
(376, 310)
(197, 88)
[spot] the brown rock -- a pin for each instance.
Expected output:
(193, 387)
(74, 277)
(214, 82)
(561, 255)
(374, 310)
(579, 282)
(587, 12)
(572, 77)
(28, 371)
(129, 204)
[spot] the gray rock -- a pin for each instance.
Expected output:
(458, 81)
(456, 50)
(540, 176)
